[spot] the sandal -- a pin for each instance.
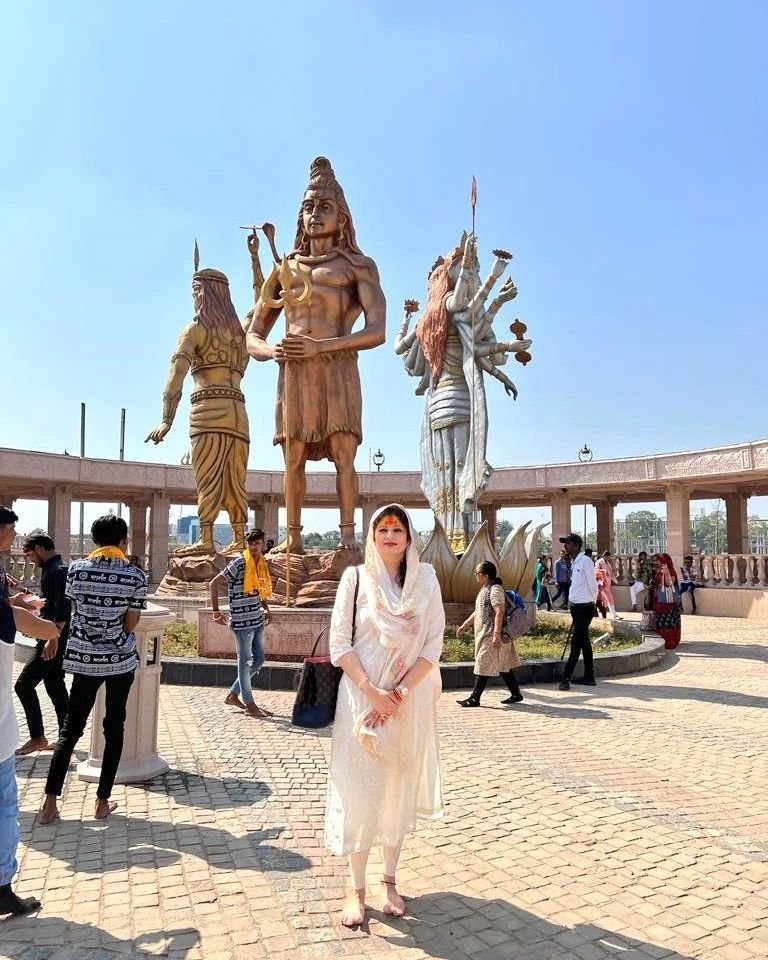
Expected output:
(469, 702)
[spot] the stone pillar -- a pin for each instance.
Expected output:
(370, 506)
(270, 523)
(488, 513)
(561, 520)
(736, 522)
(678, 522)
(604, 510)
(60, 519)
(137, 531)
(158, 537)
(258, 515)
(140, 761)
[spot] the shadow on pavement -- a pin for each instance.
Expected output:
(58, 939)
(548, 709)
(648, 692)
(125, 842)
(727, 651)
(208, 793)
(451, 926)
(35, 766)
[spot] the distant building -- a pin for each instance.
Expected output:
(222, 532)
(653, 540)
(182, 527)
(758, 536)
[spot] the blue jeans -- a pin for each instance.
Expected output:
(250, 657)
(9, 820)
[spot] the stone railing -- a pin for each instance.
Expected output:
(29, 573)
(743, 570)
(22, 569)
(746, 570)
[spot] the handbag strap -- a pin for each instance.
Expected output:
(354, 606)
(354, 616)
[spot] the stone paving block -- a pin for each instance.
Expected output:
(630, 823)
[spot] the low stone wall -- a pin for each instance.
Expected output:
(740, 602)
(292, 632)
(456, 676)
(290, 635)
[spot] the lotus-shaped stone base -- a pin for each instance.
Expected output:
(516, 562)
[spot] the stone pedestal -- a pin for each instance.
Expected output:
(189, 576)
(140, 760)
(314, 576)
(289, 636)
(185, 587)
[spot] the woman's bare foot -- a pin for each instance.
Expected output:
(232, 700)
(104, 808)
(392, 903)
(48, 813)
(353, 911)
(32, 746)
(258, 713)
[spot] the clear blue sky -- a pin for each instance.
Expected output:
(620, 153)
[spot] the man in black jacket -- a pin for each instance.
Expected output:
(46, 665)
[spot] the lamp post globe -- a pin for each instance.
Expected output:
(378, 459)
(585, 456)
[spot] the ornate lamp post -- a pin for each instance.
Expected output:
(378, 459)
(585, 456)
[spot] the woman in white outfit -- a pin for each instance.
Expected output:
(385, 763)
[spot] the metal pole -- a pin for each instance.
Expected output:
(82, 454)
(122, 452)
(585, 525)
(288, 491)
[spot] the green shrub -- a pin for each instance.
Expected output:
(545, 639)
(180, 640)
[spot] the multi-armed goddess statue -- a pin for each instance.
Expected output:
(449, 349)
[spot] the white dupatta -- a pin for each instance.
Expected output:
(399, 616)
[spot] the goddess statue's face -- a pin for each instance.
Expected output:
(197, 295)
(474, 277)
(320, 214)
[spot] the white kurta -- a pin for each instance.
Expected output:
(375, 800)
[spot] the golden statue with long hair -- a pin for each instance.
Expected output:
(212, 346)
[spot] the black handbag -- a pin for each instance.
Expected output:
(318, 689)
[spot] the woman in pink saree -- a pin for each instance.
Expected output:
(605, 581)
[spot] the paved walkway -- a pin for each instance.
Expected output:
(630, 821)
